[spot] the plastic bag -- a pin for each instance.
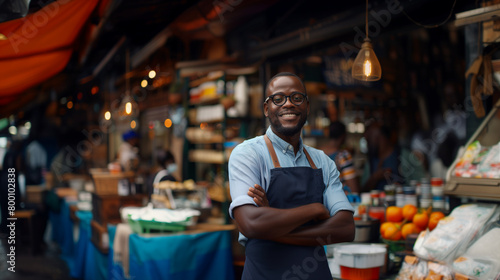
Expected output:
(482, 258)
(455, 232)
(414, 268)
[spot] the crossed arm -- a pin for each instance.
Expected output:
(285, 225)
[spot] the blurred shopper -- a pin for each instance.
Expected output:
(341, 156)
(166, 166)
(382, 167)
(11, 169)
(128, 152)
(36, 163)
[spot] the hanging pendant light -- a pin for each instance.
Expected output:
(366, 66)
(128, 106)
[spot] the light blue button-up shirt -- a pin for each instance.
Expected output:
(250, 163)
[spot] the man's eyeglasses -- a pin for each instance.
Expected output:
(279, 99)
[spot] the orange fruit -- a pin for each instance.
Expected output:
(421, 220)
(392, 232)
(409, 211)
(394, 214)
(384, 226)
(434, 219)
(409, 228)
(437, 215)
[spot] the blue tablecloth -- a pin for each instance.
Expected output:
(84, 260)
(206, 255)
(193, 256)
(62, 230)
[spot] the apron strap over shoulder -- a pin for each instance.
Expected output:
(272, 152)
(311, 162)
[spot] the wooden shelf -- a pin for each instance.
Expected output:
(212, 76)
(206, 101)
(207, 156)
(214, 140)
(207, 114)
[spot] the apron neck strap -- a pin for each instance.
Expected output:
(270, 148)
(276, 162)
(311, 162)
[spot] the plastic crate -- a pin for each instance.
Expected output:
(395, 246)
(142, 226)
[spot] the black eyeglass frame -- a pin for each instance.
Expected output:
(287, 97)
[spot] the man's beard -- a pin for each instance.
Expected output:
(288, 131)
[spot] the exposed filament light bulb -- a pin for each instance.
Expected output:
(128, 108)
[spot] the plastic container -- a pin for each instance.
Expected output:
(377, 213)
(360, 261)
(359, 273)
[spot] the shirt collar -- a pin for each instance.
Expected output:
(281, 144)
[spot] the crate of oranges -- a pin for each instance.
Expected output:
(406, 220)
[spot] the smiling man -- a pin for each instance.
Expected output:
(287, 200)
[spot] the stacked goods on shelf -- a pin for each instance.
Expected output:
(437, 191)
(479, 162)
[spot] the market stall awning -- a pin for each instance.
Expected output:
(38, 46)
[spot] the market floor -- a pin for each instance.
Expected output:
(43, 265)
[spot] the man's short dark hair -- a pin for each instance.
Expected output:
(282, 74)
(337, 130)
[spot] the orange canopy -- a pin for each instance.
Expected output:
(39, 45)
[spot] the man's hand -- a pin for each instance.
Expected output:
(259, 195)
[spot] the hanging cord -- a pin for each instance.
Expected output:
(435, 25)
(366, 20)
(127, 70)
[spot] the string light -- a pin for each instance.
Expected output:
(107, 115)
(152, 74)
(168, 123)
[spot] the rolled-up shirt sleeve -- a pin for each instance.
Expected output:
(334, 197)
(244, 172)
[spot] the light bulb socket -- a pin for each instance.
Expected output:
(367, 44)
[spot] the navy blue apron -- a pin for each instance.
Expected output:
(289, 187)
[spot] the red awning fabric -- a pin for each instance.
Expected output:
(39, 45)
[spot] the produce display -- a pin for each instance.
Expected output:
(463, 245)
(402, 221)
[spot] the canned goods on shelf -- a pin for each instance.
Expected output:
(437, 191)
(425, 203)
(411, 199)
(409, 190)
(438, 204)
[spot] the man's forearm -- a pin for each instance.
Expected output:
(336, 229)
(269, 223)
